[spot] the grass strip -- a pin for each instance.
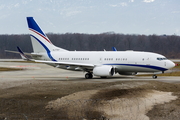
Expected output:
(9, 69)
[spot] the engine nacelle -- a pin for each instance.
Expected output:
(103, 71)
(127, 73)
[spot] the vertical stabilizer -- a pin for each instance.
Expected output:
(40, 41)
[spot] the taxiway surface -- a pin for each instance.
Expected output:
(37, 71)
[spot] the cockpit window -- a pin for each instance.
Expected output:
(161, 58)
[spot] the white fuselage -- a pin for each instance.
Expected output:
(123, 61)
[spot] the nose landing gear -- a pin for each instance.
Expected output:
(154, 76)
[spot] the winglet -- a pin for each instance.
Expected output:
(114, 49)
(23, 56)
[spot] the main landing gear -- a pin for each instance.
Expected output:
(154, 76)
(88, 75)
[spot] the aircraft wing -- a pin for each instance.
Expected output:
(23, 54)
(17, 52)
(80, 65)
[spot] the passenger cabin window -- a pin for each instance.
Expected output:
(161, 58)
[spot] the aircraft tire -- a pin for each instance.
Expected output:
(154, 76)
(88, 75)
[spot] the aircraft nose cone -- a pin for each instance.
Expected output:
(170, 64)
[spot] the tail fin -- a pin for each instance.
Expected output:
(40, 41)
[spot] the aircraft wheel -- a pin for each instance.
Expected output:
(154, 76)
(88, 75)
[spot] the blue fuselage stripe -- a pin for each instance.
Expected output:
(46, 48)
(143, 66)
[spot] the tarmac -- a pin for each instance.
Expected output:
(38, 71)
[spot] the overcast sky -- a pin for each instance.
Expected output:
(92, 16)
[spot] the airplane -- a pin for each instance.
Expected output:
(98, 63)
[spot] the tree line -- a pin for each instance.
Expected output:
(165, 45)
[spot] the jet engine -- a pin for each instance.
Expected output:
(103, 71)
